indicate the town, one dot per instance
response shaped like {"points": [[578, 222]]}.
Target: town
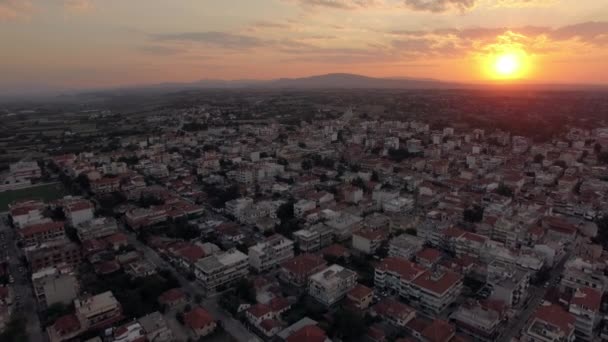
{"points": [[227, 218]]}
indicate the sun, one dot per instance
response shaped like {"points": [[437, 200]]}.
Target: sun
{"points": [[507, 65]]}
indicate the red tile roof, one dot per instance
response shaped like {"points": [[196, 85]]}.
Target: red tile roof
{"points": [[171, 296], [67, 324], [389, 307], [198, 318], [41, 228], [191, 253], [407, 269], [430, 254], [557, 316], [259, 310], [360, 291], [309, 333], [588, 298], [303, 264], [438, 283], [335, 250], [439, 331], [278, 304]]}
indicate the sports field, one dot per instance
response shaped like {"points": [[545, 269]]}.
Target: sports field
{"points": [[46, 192]]}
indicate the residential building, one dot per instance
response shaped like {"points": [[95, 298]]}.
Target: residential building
{"points": [[55, 285], [405, 246], [481, 320], [78, 210], [199, 321], [313, 238], [585, 307], [221, 269], [360, 297], [41, 232], [98, 311], [550, 323], [394, 312], [96, 228], [368, 240], [270, 253], [509, 282], [156, 328], [434, 290], [25, 213], [391, 271], [332, 284], [53, 253], [297, 270]]}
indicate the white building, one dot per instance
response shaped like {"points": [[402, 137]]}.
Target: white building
{"points": [[313, 238], [221, 269], [270, 253], [331, 285]]}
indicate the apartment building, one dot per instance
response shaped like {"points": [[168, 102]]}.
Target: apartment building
{"points": [[25, 213], [53, 253], [509, 282], [78, 210], [41, 232], [390, 273], [313, 238], [270, 253], [98, 311], [55, 285], [550, 323], [585, 307], [434, 290], [96, 228], [367, 241], [405, 246], [482, 320], [297, 270], [332, 284], [221, 269]]}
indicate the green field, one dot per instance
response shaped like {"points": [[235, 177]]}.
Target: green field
{"points": [[47, 192]]}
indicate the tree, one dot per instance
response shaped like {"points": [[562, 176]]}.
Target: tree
{"points": [[348, 325], [179, 316], [375, 177], [474, 214], [539, 158], [603, 158], [504, 190], [244, 290], [285, 211], [597, 148], [306, 164]]}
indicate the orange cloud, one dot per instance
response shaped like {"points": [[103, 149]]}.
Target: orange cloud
{"points": [[12, 10], [78, 6]]}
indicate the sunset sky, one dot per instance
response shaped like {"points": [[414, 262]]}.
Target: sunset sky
{"points": [[100, 43]]}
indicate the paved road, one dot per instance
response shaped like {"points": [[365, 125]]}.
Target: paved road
{"points": [[537, 295], [22, 287], [231, 325]]}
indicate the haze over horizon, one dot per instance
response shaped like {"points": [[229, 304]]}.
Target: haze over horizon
{"points": [[88, 44]]}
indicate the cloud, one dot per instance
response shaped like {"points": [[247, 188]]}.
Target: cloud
{"points": [[13, 10], [448, 42], [437, 6], [159, 50], [78, 6], [214, 38], [340, 4]]}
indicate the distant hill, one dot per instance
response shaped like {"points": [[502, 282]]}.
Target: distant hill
{"points": [[351, 81]]}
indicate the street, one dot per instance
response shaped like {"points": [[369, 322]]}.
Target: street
{"points": [[231, 325], [24, 302]]}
